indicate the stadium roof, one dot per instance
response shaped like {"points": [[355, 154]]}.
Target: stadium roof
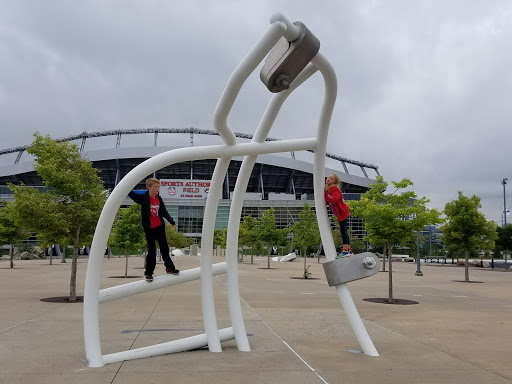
{"points": [[272, 173]]}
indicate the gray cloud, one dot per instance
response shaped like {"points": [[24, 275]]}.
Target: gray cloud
{"points": [[424, 87]]}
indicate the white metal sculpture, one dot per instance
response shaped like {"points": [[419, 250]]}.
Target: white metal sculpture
{"points": [[93, 295]]}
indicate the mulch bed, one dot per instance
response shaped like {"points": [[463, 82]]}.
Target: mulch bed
{"points": [[382, 300], [63, 299]]}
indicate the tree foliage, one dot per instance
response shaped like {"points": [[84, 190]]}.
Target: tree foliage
{"points": [[268, 232], [357, 245], [504, 240], [127, 231], [248, 233], [10, 233], [466, 228], [392, 218], [219, 238], [306, 233], [176, 239], [71, 203]]}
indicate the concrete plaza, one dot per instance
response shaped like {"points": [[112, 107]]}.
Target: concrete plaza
{"points": [[457, 333]]}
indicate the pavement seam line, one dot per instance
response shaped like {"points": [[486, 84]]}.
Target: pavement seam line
{"points": [[285, 343], [279, 337], [33, 317], [138, 334]]}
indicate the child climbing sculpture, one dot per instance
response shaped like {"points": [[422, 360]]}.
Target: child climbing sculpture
{"points": [[339, 208]]}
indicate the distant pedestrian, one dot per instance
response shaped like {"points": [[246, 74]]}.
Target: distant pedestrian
{"points": [[153, 212], [339, 208]]}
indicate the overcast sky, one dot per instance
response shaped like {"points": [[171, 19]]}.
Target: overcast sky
{"points": [[425, 86]]}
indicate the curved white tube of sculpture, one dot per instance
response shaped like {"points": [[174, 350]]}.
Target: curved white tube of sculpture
{"points": [[323, 221], [236, 208], [228, 97], [93, 296], [182, 345], [107, 216]]}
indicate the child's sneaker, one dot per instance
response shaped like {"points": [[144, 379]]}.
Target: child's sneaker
{"points": [[172, 271], [149, 278], [344, 254]]}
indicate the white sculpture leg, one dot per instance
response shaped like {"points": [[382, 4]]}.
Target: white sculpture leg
{"points": [[209, 317], [228, 97], [323, 221], [236, 209]]}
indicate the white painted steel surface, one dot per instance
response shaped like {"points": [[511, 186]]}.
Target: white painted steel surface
{"points": [[185, 344], [107, 216], [323, 221], [141, 286], [280, 26]]}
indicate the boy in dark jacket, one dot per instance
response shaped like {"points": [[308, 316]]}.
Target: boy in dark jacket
{"points": [[153, 211]]}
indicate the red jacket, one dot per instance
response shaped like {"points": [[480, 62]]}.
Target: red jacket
{"points": [[338, 206]]}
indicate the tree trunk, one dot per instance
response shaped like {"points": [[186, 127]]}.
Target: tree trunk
{"points": [[11, 255], [252, 252], [126, 264], [305, 266], [268, 258], [391, 300], [51, 255], [72, 282], [466, 268], [384, 253]]}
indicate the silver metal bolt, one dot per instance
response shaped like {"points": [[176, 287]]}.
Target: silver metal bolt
{"points": [[282, 81], [369, 262]]}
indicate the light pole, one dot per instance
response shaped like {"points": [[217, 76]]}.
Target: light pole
{"points": [[418, 264], [430, 238], [504, 182]]}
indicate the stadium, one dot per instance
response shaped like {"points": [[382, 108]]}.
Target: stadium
{"points": [[280, 181]]}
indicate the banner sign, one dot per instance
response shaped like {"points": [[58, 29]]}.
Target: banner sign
{"points": [[184, 189]]}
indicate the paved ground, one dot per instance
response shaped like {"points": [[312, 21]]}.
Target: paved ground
{"points": [[458, 333]]}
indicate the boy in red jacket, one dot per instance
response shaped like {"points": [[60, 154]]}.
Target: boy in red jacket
{"points": [[339, 208]]}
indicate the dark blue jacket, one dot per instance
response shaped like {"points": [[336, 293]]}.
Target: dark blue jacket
{"points": [[143, 200]]}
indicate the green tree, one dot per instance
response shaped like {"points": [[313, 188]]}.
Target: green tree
{"points": [[71, 203], [504, 240], [10, 233], [219, 238], [392, 218], [176, 239], [248, 233], [306, 233], [48, 240], [357, 244], [127, 232], [282, 241], [466, 228], [268, 232]]}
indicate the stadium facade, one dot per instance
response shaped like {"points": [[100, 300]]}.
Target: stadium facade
{"points": [[281, 181]]}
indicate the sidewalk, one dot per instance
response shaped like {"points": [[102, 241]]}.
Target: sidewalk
{"points": [[458, 333]]}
